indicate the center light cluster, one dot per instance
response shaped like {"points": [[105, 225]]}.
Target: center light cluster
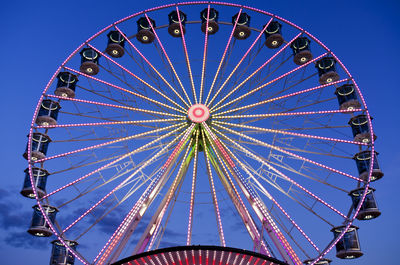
{"points": [[198, 113]]}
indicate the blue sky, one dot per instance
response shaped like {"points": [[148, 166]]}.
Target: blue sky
{"points": [[38, 35]]}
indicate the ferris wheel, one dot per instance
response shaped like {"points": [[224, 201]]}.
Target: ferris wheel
{"points": [[201, 133]]}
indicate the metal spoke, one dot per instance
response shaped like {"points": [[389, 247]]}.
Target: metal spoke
{"points": [[152, 67], [155, 185], [259, 129], [113, 162], [203, 68], [168, 59], [214, 194], [193, 190], [214, 108], [116, 106], [269, 83], [223, 57], [238, 64], [186, 55], [281, 97], [125, 90], [181, 125], [287, 152], [138, 78], [255, 157]]}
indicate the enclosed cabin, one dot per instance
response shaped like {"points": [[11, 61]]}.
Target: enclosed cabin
{"points": [[39, 177], [89, 61], [212, 16], [327, 70], [273, 35], [363, 161], [348, 247], [242, 29], [177, 22], [347, 97], [115, 45], [301, 50], [369, 208], [320, 262], [48, 113], [66, 85], [60, 255], [40, 143], [360, 128], [145, 33], [39, 227]]}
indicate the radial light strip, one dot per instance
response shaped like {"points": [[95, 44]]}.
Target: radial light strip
{"points": [[181, 125], [203, 68], [283, 246], [270, 82], [116, 106], [255, 157], [239, 63], [255, 72], [123, 89], [109, 123], [282, 97], [168, 59], [113, 162], [271, 198], [192, 192], [123, 183], [114, 239], [223, 57], [186, 55], [214, 194], [152, 67], [287, 152], [289, 133], [236, 199], [138, 78]]}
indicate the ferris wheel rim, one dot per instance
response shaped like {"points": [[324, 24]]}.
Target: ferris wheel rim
{"points": [[365, 109]]}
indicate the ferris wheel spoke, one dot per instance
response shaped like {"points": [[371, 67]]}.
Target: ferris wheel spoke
{"points": [[269, 196], [278, 187], [180, 126], [286, 152], [268, 165], [115, 161], [214, 194], [214, 108], [119, 186], [268, 115], [203, 68], [259, 129], [237, 66], [258, 206], [115, 106], [192, 192], [152, 67], [270, 100], [134, 187], [139, 122], [157, 217], [168, 59], [141, 205], [222, 172], [189, 68], [223, 57], [138, 78], [268, 83]]}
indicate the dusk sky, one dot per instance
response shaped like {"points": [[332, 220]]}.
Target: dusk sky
{"points": [[37, 36]]}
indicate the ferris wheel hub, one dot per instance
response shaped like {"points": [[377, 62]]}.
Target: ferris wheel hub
{"points": [[198, 113]]}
